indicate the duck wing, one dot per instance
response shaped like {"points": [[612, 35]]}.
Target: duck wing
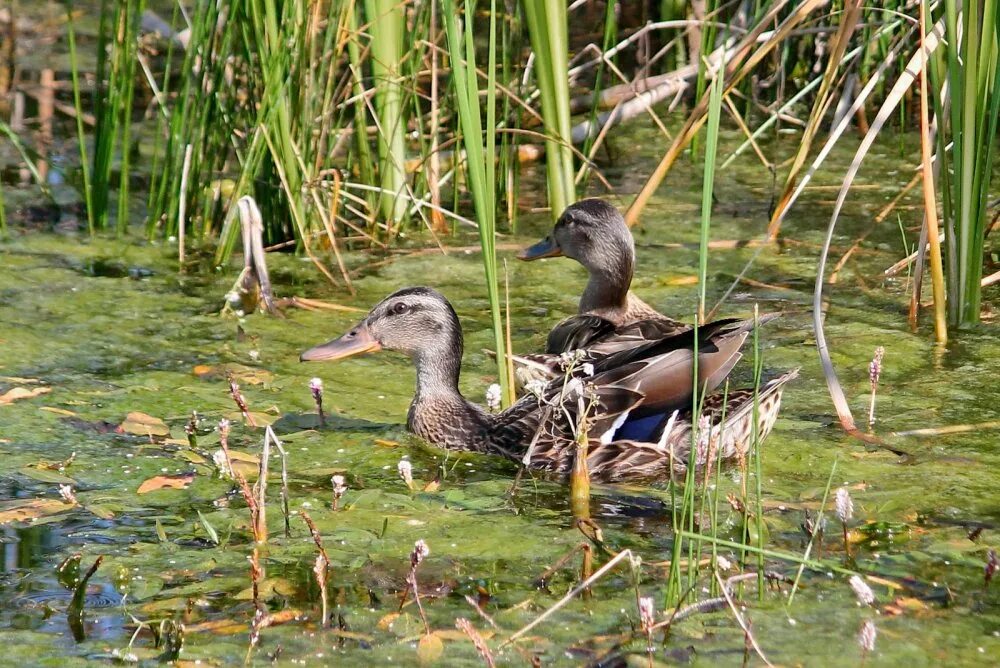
{"points": [[731, 416]]}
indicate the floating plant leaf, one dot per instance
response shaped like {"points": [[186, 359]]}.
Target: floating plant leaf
{"points": [[141, 424], [180, 481], [46, 475]]}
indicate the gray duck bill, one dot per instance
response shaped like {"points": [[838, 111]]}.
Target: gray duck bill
{"points": [[355, 342]]}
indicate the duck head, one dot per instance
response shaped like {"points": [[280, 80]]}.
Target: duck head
{"points": [[416, 321], [592, 232]]}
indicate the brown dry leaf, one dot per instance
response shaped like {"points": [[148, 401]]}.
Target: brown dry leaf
{"points": [[386, 443], [141, 424], [432, 486], [18, 393], [181, 481], [429, 649], [23, 510]]}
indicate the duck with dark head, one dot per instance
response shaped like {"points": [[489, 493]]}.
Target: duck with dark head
{"points": [[540, 429], [594, 233]]}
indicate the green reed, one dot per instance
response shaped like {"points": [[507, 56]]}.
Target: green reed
{"points": [[973, 76], [385, 18], [692, 508], [81, 138], [118, 44], [547, 28], [480, 162]]}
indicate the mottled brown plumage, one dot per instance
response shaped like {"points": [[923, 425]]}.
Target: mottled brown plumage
{"points": [[541, 429]]}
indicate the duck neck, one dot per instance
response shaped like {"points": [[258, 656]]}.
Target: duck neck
{"points": [[607, 289], [437, 375]]}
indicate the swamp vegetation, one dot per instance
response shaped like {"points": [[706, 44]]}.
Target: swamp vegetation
{"points": [[145, 412]]}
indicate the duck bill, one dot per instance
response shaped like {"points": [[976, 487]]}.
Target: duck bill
{"points": [[356, 342], [547, 247]]}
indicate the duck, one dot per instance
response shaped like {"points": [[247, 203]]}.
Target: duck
{"points": [[611, 319], [593, 232], [633, 410]]}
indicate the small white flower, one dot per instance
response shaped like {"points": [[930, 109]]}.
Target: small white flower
{"points": [[647, 612], [420, 552], [223, 426], [861, 589], [867, 635], [221, 465], [535, 387], [254, 355], [723, 563], [493, 397], [405, 469], [316, 385], [66, 492], [588, 369], [843, 504]]}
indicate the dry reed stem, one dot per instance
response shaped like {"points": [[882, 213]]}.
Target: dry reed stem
{"points": [[466, 627], [739, 620], [182, 207], [848, 22], [836, 391], [930, 203], [746, 56], [568, 597]]}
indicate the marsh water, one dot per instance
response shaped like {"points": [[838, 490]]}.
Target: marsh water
{"points": [[101, 328]]}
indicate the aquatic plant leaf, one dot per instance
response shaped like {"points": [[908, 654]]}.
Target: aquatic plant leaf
{"points": [[18, 393], [141, 424], [429, 649], [24, 510], [161, 534], [209, 529], [99, 510], [191, 456], [155, 483], [42, 474]]}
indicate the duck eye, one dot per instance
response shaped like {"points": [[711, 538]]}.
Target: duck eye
{"points": [[399, 308]]}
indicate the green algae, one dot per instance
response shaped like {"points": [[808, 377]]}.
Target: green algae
{"points": [[112, 328]]}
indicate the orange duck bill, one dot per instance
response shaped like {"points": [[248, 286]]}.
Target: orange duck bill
{"points": [[547, 247], [356, 342]]}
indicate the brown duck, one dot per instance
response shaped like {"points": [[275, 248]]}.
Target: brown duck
{"points": [[633, 408]]}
